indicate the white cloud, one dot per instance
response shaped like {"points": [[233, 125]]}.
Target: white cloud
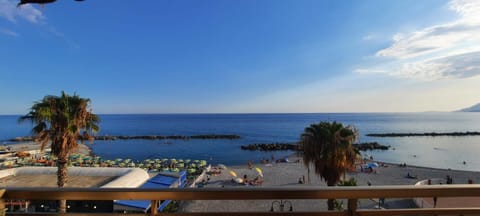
{"points": [[468, 9], [453, 66], [436, 38], [8, 32], [10, 11], [448, 50]]}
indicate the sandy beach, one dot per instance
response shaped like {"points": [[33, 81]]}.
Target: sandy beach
{"points": [[288, 174]]}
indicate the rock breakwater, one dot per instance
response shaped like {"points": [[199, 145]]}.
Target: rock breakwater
{"points": [[146, 137], [294, 146]]}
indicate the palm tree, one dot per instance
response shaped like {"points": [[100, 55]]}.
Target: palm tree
{"points": [[328, 147], [62, 121]]}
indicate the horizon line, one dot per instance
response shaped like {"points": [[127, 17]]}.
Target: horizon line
{"points": [[263, 113]]}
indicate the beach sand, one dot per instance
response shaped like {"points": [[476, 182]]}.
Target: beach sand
{"points": [[288, 174]]}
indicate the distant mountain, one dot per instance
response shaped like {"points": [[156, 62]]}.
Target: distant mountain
{"points": [[474, 108]]}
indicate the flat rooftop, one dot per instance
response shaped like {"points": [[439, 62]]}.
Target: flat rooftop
{"points": [[78, 177], [51, 181]]}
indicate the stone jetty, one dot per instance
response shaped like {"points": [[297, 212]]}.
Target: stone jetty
{"points": [[270, 146], [368, 146], [294, 146]]}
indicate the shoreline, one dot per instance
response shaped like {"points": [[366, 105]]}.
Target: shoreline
{"points": [[85, 149]]}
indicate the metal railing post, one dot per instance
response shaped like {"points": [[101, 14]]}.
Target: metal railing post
{"points": [[154, 207], [2, 203], [352, 207]]}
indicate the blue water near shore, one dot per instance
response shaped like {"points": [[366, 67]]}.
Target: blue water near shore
{"points": [[439, 152]]}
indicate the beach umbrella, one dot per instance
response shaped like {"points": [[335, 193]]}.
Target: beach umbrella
{"points": [[259, 171], [372, 165], [222, 166]]}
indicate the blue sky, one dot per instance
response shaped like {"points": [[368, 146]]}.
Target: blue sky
{"points": [[221, 56]]}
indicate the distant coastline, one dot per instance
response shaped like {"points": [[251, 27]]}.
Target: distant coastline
{"points": [[474, 108], [468, 133]]}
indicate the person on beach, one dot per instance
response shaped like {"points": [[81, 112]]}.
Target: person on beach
{"points": [[256, 181], [250, 164]]}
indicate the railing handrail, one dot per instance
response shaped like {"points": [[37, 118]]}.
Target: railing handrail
{"points": [[250, 193], [353, 194]]}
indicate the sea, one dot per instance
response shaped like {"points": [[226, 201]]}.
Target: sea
{"points": [[445, 152]]}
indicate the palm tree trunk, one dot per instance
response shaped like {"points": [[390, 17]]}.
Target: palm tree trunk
{"points": [[61, 181], [331, 204]]}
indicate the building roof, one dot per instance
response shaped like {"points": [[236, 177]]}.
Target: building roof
{"points": [[51, 181], [77, 177], [157, 182]]}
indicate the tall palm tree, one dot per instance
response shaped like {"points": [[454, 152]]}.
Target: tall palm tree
{"points": [[62, 121], [328, 147]]}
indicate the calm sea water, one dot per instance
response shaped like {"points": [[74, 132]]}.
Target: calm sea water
{"points": [[439, 152]]}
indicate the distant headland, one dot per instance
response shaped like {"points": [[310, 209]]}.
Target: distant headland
{"points": [[474, 108]]}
